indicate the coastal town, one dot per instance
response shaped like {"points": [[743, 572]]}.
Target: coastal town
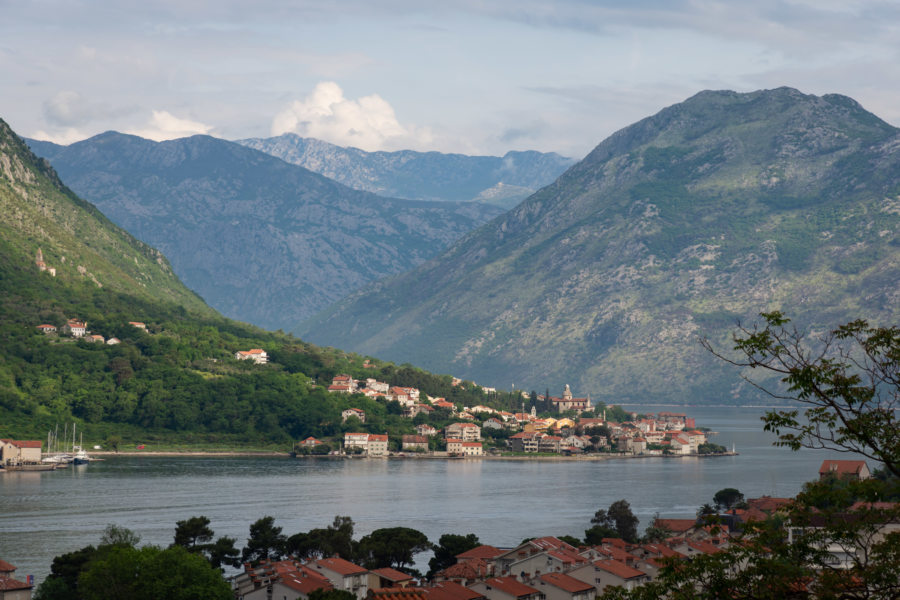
{"points": [[565, 425], [480, 430]]}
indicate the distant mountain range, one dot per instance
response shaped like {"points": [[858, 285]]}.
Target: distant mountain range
{"points": [[502, 180], [673, 228], [259, 239]]}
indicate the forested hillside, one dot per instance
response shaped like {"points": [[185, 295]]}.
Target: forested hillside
{"points": [[178, 381]]}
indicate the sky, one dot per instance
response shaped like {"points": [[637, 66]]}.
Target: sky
{"points": [[468, 76]]}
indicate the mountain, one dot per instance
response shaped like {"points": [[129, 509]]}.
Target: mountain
{"points": [[78, 245], [174, 381], [421, 175], [261, 240], [676, 227]]}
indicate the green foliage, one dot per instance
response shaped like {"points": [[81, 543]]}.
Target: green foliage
{"points": [[448, 546], [617, 522], [728, 498], [265, 542], [848, 380], [392, 547], [115, 535], [151, 573]]}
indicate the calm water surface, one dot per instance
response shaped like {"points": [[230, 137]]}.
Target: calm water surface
{"points": [[45, 514]]}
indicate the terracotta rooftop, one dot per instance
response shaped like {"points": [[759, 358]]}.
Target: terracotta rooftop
{"points": [[676, 525], [399, 593], [339, 566], [567, 583], [450, 590], [509, 585], [5, 567], [842, 467], [8, 585], [392, 574], [482, 551], [618, 569]]}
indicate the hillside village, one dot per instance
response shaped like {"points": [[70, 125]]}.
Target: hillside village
{"points": [[565, 426], [480, 429]]}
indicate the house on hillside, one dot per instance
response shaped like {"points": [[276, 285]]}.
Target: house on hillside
{"points": [[414, 443], [467, 432], [257, 355], [844, 469], [75, 328], [343, 575], [138, 325], [45, 328], [353, 412]]}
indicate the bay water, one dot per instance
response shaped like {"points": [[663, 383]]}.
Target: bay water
{"points": [[502, 501]]}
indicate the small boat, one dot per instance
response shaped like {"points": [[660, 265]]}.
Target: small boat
{"points": [[29, 466]]}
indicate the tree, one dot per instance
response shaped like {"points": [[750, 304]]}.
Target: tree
{"points": [[265, 541], [114, 535], [728, 498], [150, 573], [849, 379], [223, 552], [618, 522], [192, 534], [448, 546], [114, 441], [392, 547]]}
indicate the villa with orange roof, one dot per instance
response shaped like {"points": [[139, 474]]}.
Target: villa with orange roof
{"points": [[257, 355]]}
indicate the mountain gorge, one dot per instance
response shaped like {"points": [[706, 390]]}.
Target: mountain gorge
{"points": [[674, 228], [259, 239], [501, 180]]}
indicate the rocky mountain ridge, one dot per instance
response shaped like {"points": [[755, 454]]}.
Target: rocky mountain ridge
{"points": [[502, 180], [673, 228], [261, 240]]}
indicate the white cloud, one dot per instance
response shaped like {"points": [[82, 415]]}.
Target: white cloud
{"points": [[166, 126], [368, 123], [64, 137]]}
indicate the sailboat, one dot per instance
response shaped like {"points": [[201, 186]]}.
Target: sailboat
{"points": [[80, 456]]}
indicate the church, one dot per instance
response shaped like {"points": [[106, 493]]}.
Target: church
{"points": [[567, 402]]}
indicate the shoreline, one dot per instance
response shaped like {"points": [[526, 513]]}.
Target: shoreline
{"points": [[281, 454]]}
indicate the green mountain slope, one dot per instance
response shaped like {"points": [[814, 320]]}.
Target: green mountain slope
{"points": [[261, 240], [177, 382], [77, 241], [710, 211]]}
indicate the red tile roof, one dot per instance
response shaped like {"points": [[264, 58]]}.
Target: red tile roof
{"points": [[509, 585], [842, 467], [5, 567], [676, 525], [619, 569], [399, 593], [483, 551], [304, 582], [450, 590], [472, 569], [8, 585], [392, 574], [567, 583], [25, 443], [339, 566]]}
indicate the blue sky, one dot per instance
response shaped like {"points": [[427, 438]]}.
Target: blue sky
{"points": [[478, 77]]}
